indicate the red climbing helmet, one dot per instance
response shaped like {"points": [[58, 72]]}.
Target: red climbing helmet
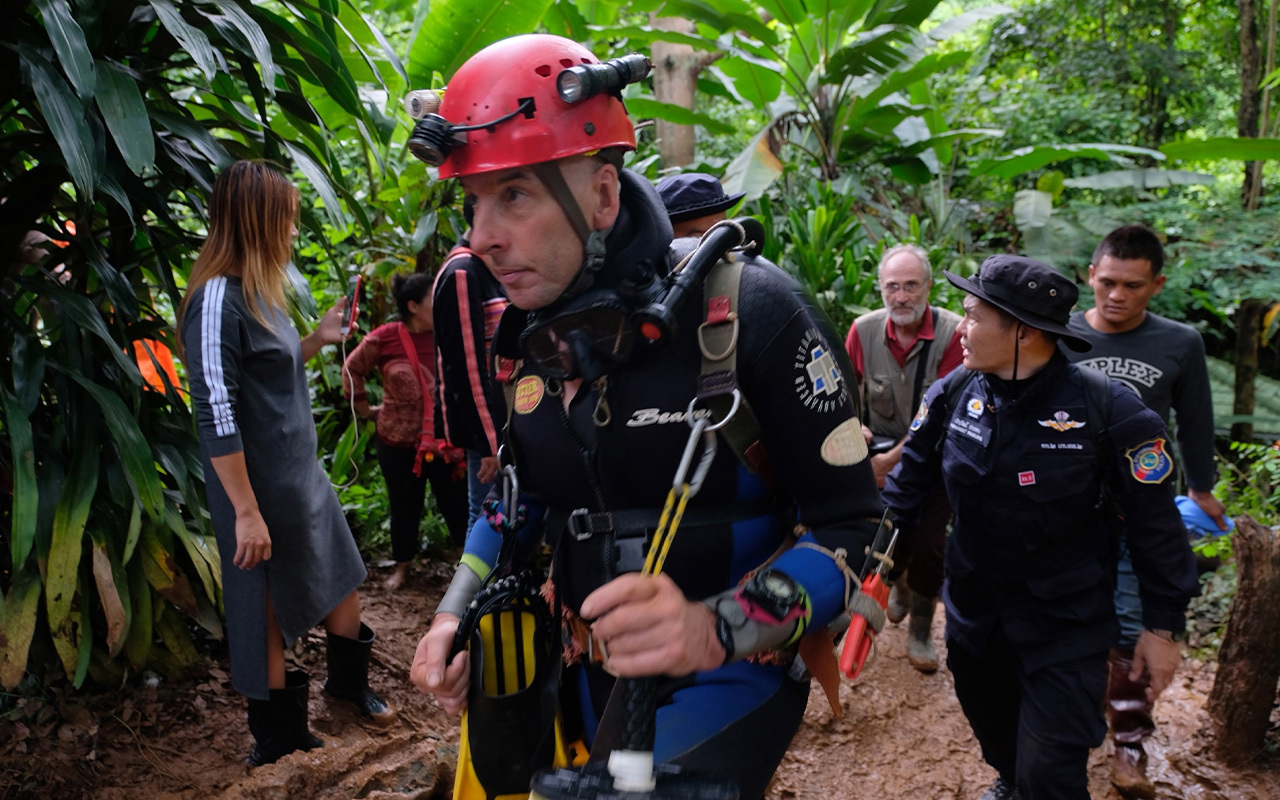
{"points": [[493, 84]]}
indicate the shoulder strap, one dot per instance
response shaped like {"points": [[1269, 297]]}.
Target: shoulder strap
{"points": [[718, 382], [922, 359], [1097, 400], [1097, 413], [963, 376], [957, 385]]}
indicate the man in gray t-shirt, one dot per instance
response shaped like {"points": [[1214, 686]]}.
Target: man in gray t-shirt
{"points": [[1164, 362]]}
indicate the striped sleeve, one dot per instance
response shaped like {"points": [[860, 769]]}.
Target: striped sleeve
{"points": [[212, 339]]}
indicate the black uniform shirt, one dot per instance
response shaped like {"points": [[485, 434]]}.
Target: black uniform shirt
{"points": [[1030, 548]]}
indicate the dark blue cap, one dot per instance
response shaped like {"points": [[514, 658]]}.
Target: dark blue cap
{"points": [[694, 194], [1033, 293]]}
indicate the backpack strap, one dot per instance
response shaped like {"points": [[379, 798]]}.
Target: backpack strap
{"points": [[957, 381], [1097, 400], [718, 382]]}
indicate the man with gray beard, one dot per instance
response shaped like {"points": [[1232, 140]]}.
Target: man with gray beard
{"points": [[899, 351]]}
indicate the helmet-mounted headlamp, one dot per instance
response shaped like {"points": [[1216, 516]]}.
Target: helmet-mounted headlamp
{"points": [[434, 137], [576, 84]]}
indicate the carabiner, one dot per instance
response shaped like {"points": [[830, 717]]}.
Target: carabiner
{"points": [[699, 425], [510, 491]]}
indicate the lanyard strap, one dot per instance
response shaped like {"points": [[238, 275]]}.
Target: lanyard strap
{"points": [[922, 357]]}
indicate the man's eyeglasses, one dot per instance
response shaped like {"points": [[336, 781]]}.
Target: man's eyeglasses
{"points": [[910, 287]]}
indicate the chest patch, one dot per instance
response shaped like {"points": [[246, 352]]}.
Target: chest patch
{"points": [[974, 407], [817, 378], [845, 445], [1149, 462], [1061, 421], [1027, 478], [971, 430], [529, 392]]}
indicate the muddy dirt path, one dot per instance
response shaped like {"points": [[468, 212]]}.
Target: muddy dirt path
{"points": [[902, 734]]}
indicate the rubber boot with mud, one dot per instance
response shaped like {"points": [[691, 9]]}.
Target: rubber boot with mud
{"points": [[920, 651], [349, 676], [899, 599], [1129, 713], [279, 724]]}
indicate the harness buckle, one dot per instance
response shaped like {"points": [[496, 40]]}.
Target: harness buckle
{"points": [[579, 524]]}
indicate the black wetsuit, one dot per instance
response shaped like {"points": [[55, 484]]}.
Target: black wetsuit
{"points": [[735, 721]]}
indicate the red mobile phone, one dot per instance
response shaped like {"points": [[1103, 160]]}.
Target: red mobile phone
{"points": [[353, 304]]}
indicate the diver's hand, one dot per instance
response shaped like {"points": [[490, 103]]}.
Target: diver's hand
{"points": [[648, 627], [429, 672]]}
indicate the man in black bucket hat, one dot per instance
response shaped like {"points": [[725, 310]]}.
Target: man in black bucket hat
{"points": [[1037, 456], [695, 201]]}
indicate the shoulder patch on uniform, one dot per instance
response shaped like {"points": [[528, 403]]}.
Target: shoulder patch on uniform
{"points": [[1149, 462], [921, 415], [845, 445], [1061, 421], [529, 393], [818, 381]]}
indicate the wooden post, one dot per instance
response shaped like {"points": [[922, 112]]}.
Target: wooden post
{"points": [[1244, 691]]}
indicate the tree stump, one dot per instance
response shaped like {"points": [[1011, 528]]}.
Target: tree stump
{"points": [[1244, 691]]}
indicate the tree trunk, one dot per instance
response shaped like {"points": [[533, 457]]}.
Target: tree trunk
{"points": [[1250, 94], [1248, 336], [675, 80], [1158, 114], [1244, 690], [1264, 124]]}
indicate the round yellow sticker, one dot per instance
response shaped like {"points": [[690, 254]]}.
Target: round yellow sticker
{"points": [[529, 393]]}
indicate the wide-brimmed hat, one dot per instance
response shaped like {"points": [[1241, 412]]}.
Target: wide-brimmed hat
{"points": [[1034, 293], [694, 194]]}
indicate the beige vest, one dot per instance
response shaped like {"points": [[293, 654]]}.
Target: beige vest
{"points": [[886, 387]]}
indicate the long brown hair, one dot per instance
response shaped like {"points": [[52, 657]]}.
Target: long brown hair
{"points": [[251, 217]]}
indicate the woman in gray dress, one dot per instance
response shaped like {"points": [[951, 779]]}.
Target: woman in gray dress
{"points": [[275, 514]]}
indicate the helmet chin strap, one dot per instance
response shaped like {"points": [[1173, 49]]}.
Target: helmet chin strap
{"points": [[592, 241]]}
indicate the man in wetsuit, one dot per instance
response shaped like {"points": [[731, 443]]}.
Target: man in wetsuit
{"points": [[1036, 455], [599, 421]]}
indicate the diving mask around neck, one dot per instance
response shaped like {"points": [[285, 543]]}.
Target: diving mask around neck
{"points": [[584, 338]]}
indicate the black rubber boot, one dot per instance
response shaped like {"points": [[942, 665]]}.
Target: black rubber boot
{"points": [[349, 676], [279, 725]]}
